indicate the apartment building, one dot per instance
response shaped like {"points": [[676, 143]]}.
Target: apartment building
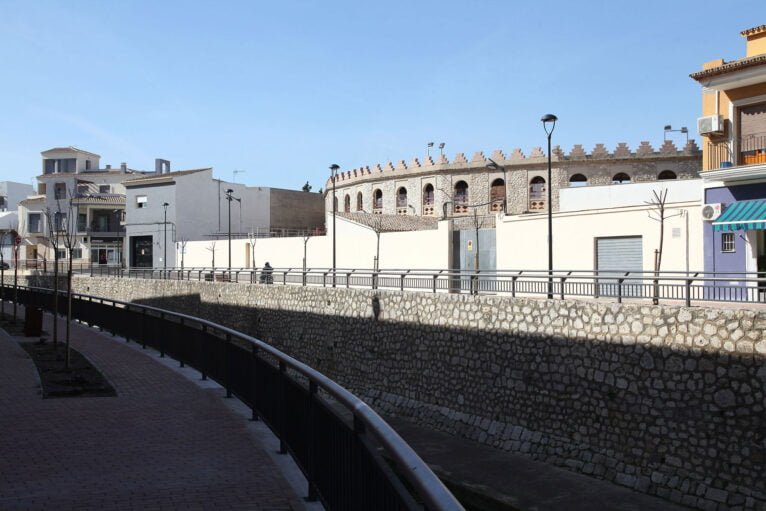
{"points": [[76, 193], [733, 123], [166, 209]]}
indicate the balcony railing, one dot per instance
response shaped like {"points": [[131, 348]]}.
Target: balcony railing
{"points": [[109, 231], [750, 150]]}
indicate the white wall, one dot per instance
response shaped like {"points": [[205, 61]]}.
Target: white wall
{"points": [[522, 240], [632, 194], [356, 246]]}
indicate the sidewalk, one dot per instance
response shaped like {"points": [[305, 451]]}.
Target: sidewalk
{"points": [[162, 443]]}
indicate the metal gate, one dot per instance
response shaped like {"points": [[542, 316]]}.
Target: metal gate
{"points": [[618, 258], [464, 249]]}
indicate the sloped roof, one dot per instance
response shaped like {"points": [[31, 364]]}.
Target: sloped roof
{"points": [[753, 31], [70, 149], [734, 65], [392, 223]]}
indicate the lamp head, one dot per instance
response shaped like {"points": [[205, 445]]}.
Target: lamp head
{"points": [[668, 127], [229, 191], [165, 204], [334, 168], [684, 130], [549, 118], [430, 144], [441, 145]]}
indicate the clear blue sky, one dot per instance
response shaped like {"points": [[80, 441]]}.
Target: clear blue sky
{"points": [[283, 89]]}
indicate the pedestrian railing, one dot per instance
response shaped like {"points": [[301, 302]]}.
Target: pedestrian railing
{"points": [[677, 286], [347, 460]]}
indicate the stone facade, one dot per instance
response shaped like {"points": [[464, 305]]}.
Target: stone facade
{"points": [[599, 167], [666, 400]]}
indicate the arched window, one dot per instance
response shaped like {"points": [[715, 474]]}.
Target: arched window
{"points": [[620, 178], [428, 199], [347, 204], [377, 201], [537, 196], [578, 180], [666, 174], [461, 197], [359, 203], [401, 201], [497, 195]]}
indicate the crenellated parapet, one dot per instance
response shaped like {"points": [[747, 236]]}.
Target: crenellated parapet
{"points": [[517, 159]]}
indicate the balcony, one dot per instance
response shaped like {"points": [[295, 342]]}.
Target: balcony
{"points": [[750, 150], [112, 231]]}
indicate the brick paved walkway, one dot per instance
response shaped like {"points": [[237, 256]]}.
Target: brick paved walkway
{"points": [[162, 443]]}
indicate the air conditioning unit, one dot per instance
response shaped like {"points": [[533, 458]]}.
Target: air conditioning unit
{"points": [[711, 211], [710, 125]]}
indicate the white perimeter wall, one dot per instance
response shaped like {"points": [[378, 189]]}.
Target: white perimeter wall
{"points": [[632, 194], [355, 248], [522, 240]]}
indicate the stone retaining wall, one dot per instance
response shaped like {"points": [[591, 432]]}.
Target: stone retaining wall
{"points": [[663, 399]]}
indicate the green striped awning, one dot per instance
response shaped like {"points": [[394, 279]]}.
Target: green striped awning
{"points": [[747, 215]]}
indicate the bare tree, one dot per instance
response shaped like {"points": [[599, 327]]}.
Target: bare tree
{"points": [[251, 237], [53, 221], [7, 239], [657, 212], [68, 232], [211, 248], [183, 243]]}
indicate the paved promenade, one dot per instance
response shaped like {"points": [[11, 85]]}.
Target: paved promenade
{"points": [[162, 443]]}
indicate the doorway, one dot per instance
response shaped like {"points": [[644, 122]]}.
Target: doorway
{"points": [[141, 255]]}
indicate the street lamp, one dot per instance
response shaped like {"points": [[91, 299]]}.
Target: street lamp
{"points": [[492, 165], [333, 173], [229, 198], [550, 118], [165, 241], [669, 128]]}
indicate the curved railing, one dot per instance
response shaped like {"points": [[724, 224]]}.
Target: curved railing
{"points": [[333, 436]]}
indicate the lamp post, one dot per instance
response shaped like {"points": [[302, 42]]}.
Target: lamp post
{"points": [[669, 128], [333, 173], [550, 118], [229, 198], [165, 240], [492, 165]]}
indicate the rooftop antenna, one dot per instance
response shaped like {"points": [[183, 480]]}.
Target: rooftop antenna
{"points": [[234, 175]]}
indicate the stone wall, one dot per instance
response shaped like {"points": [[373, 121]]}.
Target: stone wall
{"points": [[666, 400]]}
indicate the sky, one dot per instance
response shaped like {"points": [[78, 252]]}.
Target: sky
{"points": [[281, 90]]}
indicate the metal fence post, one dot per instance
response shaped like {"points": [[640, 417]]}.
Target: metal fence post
{"points": [[227, 365], [254, 382], [203, 349], [311, 465], [688, 292], [161, 324], [282, 407], [183, 351], [619, 290]]}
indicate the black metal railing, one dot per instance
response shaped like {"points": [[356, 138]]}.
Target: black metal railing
{"points": [[346, 459], [665, 286]]}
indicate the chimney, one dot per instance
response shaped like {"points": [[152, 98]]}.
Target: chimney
{"points": [[123, 167], [161, 166]]}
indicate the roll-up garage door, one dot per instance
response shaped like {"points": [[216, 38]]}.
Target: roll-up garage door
{"points": [[616, 257]]}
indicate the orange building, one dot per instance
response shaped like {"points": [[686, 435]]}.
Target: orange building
{"points": [[734, 159]]}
